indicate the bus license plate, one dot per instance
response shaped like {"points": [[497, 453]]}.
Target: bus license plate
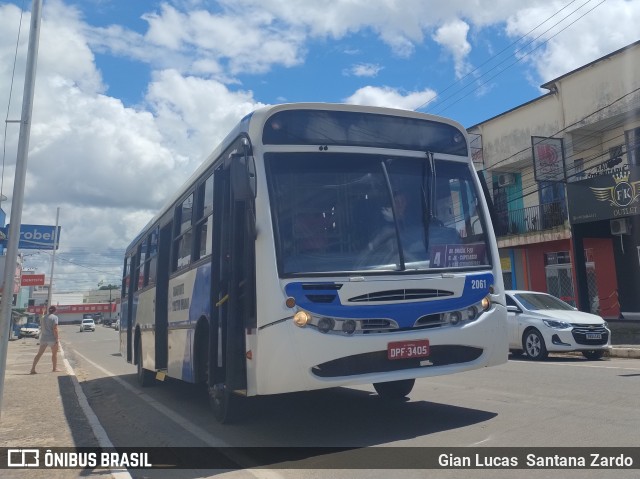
{"points": [[594, 336], [408, 349]]}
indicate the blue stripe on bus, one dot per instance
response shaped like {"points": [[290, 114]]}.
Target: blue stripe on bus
{"points": [[201, 298], [200, 306], [405, 314]]}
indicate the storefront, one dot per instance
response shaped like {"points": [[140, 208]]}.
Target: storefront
{"points": [[604, 213]]}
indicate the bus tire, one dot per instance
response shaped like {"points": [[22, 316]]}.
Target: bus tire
{"points": [[224, 403], [145, 377], [202, 354], [394, 390]]}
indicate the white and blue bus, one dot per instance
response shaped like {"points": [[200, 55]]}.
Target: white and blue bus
{"points": [[319, 245]]}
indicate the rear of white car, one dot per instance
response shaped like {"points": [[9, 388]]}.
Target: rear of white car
{"points": [[540, 323]]}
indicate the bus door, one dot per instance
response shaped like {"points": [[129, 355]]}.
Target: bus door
{"points": [[126, 311], [162, 298], [233, 278]]}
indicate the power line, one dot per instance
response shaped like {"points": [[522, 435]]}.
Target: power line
{"points": [[6, 120], [535, 187], [569, 126], [518, 60], [500, 53]]}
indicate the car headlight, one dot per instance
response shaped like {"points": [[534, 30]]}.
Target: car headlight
{"points": [[605, 324], [552, 323]]}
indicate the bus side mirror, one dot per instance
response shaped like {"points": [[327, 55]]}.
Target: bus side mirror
{"points": [[243, 176]]}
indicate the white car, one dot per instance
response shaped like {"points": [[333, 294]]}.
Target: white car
{"points": [[539, 323], [87, 325], [29, 330]]}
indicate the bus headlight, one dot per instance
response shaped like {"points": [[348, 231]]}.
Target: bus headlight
{"points": [[301, 318], [455, 317], [485, 304], [326, 324], [468, 314], [349, 326], [472, 313]]}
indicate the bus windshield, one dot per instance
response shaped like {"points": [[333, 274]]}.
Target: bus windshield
{"points": [[337, 212]]}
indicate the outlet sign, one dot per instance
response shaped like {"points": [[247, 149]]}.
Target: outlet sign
{"points": [[34, 236]]}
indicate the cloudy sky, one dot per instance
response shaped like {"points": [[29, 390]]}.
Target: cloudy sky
{"points": [[132, 95]]}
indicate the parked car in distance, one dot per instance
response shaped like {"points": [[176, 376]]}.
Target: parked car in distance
{"points": [[29, 330], [107, 322], [116, 325], [87, 325], [539, 323]]}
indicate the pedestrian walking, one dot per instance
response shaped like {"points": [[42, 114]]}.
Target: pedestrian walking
{"points": [[48, 338]]}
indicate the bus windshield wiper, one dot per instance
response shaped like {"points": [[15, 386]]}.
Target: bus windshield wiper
{"points": [[395, 215], [428, 192]]}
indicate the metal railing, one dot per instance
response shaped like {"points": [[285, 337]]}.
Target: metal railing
{"points": [[531, 219]]}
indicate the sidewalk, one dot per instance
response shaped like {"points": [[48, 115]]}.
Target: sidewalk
{"points": [[625, 351], [42, 410]]}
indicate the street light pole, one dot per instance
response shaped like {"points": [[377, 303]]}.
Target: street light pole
{"points": [[18, 188]]}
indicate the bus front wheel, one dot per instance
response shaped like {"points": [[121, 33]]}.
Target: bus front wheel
{"points": [[394, 390]]}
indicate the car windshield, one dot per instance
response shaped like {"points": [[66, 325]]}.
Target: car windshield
{"points": [[88, 321], [31, 325], [336, 212], [535, 302]]}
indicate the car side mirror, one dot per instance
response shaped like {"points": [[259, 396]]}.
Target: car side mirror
{"points": [[513, 309]]}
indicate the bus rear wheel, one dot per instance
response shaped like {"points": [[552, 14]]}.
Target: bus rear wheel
{"points": [[145, 377], [224, 403], [394, 390]]}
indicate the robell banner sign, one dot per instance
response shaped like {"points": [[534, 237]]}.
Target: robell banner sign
{"points": [[33, 236]]}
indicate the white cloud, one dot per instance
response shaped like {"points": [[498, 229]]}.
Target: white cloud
{"points": [[195, 114], [363, 70], [200, 41], [453, 37], [108, 167], [390, 97], [608, 27]]}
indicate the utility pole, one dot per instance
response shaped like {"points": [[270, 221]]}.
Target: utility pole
{"points": [[53, 259], [18, 189]]}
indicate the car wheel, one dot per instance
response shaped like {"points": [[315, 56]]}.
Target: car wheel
{"points": [[593, 354], [394, 390], [533, 344]]}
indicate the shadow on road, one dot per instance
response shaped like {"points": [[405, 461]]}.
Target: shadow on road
{"points": [[332, 428]]}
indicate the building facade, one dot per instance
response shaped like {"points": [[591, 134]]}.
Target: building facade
{"points": [[564, 174]]}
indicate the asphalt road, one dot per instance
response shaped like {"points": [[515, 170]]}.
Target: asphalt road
{"points": [[566, 401]]}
